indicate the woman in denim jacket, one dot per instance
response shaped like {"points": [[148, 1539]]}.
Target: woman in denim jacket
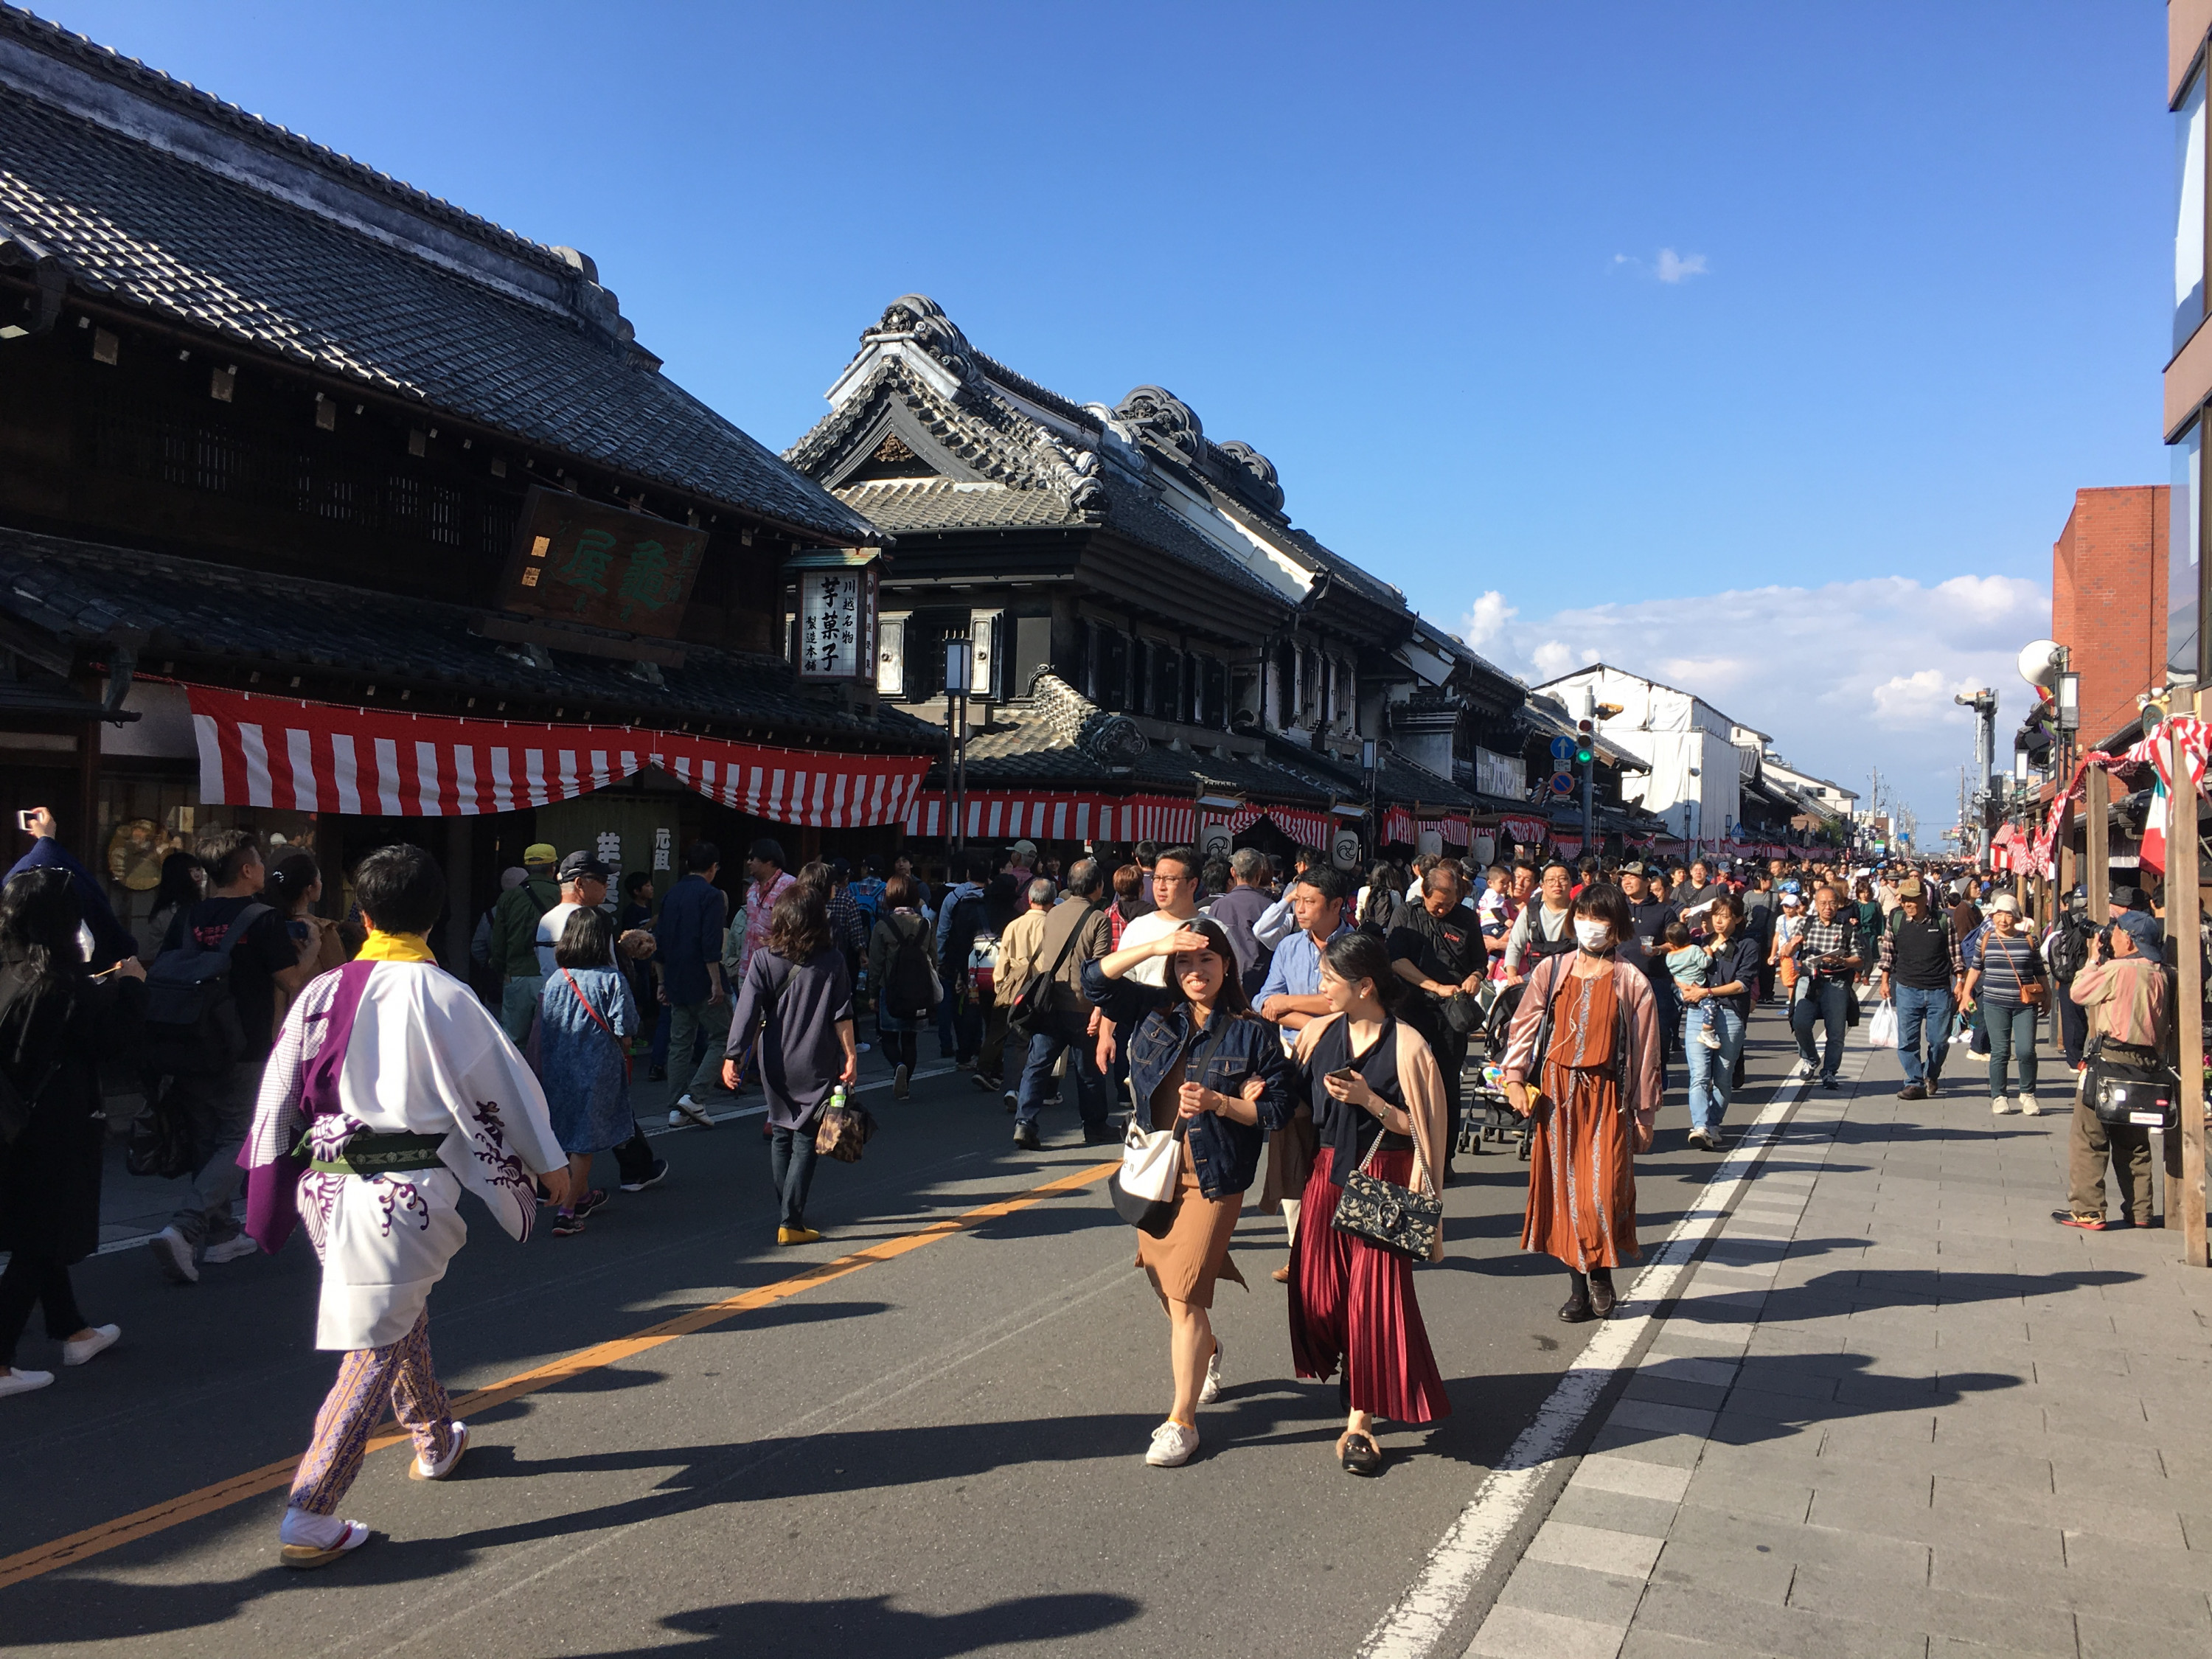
{"points": [[1240, 1091]]}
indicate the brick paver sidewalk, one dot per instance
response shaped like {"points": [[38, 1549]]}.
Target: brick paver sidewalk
{"points": [[1897, 1411]]}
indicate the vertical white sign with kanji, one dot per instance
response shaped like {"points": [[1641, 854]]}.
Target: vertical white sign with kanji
{"points": [[836, 624]]}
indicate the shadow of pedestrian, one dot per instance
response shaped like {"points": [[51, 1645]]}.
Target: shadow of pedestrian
{"points": [[836, 1630]]}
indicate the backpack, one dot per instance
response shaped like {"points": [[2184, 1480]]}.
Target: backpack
{"points": [[1033, 1000], [192, 1018], [983, 961], [2069, 948], [911, 991]]}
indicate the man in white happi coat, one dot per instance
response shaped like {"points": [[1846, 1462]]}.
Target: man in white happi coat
{"points": [[390, 1092]]}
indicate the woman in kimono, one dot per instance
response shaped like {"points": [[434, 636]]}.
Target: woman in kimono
{"points": [[1595, 1094], [392, 1091]]}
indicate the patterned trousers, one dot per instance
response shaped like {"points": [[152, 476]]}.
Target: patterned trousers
{"points": [[401, 1374]]}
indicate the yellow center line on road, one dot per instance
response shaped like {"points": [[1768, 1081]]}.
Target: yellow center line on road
{"points": [[125, 1530]]}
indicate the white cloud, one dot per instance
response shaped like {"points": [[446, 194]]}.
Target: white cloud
{"points": [[1846, 676], [1487, 619], [1675, 267]]}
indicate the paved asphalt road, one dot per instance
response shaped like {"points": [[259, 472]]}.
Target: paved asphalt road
{"points": [[938, 1454]]}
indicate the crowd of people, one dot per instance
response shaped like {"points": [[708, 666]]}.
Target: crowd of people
{"points": [[1286, 1037]]}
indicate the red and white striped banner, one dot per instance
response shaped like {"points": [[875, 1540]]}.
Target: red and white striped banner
{"points": [[1017, 815], [1455, 831], [1398, 826], [1301, 823], [259, 750], [1527, 831], [1566, 847]]}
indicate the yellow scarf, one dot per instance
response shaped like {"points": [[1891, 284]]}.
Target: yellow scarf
{"points": [[395, 947]]}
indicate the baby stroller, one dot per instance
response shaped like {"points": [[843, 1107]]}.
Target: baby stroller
{"points": [[1488, 1116]]}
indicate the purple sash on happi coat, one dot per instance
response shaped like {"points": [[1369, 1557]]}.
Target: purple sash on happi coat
{"points": [[272, 1189]]}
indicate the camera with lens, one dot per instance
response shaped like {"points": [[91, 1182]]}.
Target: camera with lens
{"points": [[2104, 939]]}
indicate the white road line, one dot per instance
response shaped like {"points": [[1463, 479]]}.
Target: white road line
{"points": [[1412, 1628]]}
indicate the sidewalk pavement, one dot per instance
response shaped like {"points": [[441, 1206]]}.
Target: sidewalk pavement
{"points": [[1897, 1411]]}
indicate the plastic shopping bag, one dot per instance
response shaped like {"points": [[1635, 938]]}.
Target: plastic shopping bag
{"points": [[1882, 1031]]}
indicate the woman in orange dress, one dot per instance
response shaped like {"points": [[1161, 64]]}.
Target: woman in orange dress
{"points": [[1597, 1096]]}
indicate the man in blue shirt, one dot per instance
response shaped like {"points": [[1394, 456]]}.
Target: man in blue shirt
{"points": [[1290, 998], [688, 966]]}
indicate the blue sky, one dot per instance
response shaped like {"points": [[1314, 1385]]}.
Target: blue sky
{"points": [[1603, 311]]}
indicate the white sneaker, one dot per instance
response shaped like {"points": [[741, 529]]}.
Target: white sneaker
{"points": [[173, 1256], [1173, 1443], [688, 1110], [22, 1382], [1211, 1390], [79, 1350], [1710, 1037], [2028, 1108], [231, 1249], [419, 1470], [2000, 1105]]}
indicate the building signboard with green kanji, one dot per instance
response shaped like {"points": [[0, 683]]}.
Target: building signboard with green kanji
{"points": [[581, 561]]}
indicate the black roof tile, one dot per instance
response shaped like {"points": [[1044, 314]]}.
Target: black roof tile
{"points": [[548, 359]]}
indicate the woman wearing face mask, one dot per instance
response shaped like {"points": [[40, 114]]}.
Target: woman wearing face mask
{"points": [[1199, 1056], [1596, 1095], [1376, 1091]]}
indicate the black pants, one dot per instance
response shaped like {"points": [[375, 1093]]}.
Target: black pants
{"points": [[1451, 1057], [2073, 1023], [33, 1276], [900, 1047], [633, 1158]]}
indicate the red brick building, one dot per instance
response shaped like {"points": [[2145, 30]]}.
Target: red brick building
{"points": [[2108, 599]]}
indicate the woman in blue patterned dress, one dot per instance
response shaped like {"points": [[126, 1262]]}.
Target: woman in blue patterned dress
{"points": [[588, 1017]]}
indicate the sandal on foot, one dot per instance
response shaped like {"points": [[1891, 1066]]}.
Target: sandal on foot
{"points": [[1358, 1454], [458, 1444]]}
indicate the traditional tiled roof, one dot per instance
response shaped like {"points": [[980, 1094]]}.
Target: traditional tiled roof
{"points": [[214, 616], [150, 193], [1057, 737]]}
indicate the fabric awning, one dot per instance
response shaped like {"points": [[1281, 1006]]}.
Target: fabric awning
{"points": [[1397, 826], [1527, 831], [1015, 815], [262, 751]]}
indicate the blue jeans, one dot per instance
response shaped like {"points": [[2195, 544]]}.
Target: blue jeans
{"points": [[1827, 1001], [791, 1157], [2011, 1026], [1712, 1071], [1063, 1029], [1919, 1012]]}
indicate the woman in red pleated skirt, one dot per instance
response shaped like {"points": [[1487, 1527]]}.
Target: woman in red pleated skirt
{"points": [[1378, 1101]]}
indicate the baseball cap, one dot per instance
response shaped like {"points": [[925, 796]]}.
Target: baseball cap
{"points": [[539, 852], [1633, 867], [2130, 898], [2144, 927], [1792, 895], [1911, 888], [583, 864], [1026, 848]]}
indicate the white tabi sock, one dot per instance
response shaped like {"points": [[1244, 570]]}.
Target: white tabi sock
{"points": [[320, 1532]]}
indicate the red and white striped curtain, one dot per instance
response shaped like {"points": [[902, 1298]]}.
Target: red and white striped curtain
{"points": [[1567, 847], [1398, 826], [1301, 823], [1015, 814], [1527, 831], [323, 757], [1455, 831]]}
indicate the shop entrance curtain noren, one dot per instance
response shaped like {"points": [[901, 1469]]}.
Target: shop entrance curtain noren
{"points": [[260, 750]]}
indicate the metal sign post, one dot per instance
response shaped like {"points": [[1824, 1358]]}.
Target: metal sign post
{"points": [[959, 669]]}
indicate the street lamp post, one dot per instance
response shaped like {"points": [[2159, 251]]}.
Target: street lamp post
{"points": [[959, 679]]}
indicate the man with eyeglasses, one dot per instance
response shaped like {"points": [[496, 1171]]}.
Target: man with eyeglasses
{"points": [[1175, 891]]}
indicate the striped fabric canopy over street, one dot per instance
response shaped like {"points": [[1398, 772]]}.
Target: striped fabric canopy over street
{"points": [[995, 814], [325, 758]]}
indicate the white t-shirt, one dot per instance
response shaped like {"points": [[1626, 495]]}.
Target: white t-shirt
{"points": [[1153, 924], [549, 934]]}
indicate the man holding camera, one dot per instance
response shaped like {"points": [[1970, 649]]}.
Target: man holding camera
{"points": [[2124, 991]]}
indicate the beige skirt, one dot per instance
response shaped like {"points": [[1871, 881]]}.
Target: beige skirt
{"points": [[1184, 1262]]}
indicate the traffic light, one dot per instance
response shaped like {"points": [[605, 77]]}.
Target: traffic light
{"points": [[1582, 751]]}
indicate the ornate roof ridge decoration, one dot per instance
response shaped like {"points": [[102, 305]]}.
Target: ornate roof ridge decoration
{"points": [[84, 53], [978, 428], [1111, 739]]}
